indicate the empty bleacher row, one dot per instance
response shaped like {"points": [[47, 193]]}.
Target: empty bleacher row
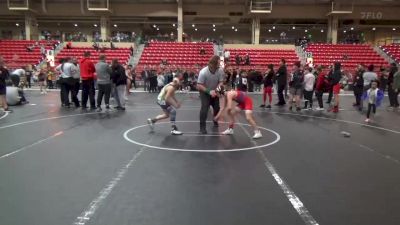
{"points": [[16, 55], [182, 55], [260, 58], [349, 55], [122, 54], [393, 51]]}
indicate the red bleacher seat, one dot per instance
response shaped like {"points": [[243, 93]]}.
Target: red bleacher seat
{"points": [[122, 54], [15, 54], [260, 58], [393, 51], [182, 55], [348, 54]]}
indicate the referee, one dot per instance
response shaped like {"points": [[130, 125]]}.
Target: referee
{"points": [[209, 78]]}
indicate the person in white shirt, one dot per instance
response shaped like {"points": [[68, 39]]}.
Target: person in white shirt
{"points": [[160, 81], [69, 72], [368, 77], [16, 76], [309, 81], [227, 56]]}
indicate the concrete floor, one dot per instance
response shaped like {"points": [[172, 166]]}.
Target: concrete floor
{"points": [[63, 166]]}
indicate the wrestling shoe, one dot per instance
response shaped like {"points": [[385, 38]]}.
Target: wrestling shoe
{"points": [[228, 131]]}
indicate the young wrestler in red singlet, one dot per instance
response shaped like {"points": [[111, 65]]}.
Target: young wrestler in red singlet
{"points": [[245, 103]]}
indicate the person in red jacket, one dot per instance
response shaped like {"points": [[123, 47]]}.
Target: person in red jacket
{"points": [[87, 70], [321, 86]]}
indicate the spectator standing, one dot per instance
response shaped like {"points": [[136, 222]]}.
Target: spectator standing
{"points": [[76, 75], [160, 81], [129, 79], [234, 79], [118, 76], [395, 85], [145, 77], [321, 87], [68, 85], [41, 75], [334, 77], [238, 59], [103, 72], [358, 86], [394, 103], [4, 75], [268, 86], [87, 70], [247, 59], [309, 81], [28, 76], [242, 82], [281, 78], [49, 78], [296, 86], [202, 51], [153, 81], [227, 56]]}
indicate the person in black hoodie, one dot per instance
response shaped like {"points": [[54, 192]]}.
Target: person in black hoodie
{"points": [[296, 86], [242, 85], [334, 77], [234, 78], [358, 85], [268, 86], [119, 78], [281, 78], [4, 75], [391, 92]]}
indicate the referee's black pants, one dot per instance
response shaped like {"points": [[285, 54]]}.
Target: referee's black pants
{"points": [[206, 102]]}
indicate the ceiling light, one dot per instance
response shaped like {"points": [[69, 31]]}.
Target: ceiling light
{"points": [[344, 31], [75, 25], [158, 28], [173, 25], [154, 25], [322, 31], [236, 30], [95, 25], [195, 29], [213, 25], [115, 25], [193, 25], [17, 24], [293, 28], [306, 31], [373, 28], [269, 30], [352, 28], [273, 27], [214, 29], [394, 29], [233, 27]]}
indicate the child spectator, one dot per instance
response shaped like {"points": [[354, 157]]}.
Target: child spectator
{"points": [[374, 96], [309, 81]]}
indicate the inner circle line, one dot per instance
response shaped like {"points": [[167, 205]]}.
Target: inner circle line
{"points": [[278, 137]]}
